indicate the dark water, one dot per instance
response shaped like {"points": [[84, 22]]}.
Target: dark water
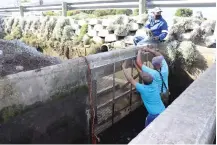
{"points": [[126, 129]]}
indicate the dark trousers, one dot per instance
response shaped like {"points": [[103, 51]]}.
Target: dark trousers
{"points": [[149, 119]]}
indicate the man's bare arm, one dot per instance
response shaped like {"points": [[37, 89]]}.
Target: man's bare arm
{"points": [[137, 67], [155, 53], [139, 59], [128, 77]]}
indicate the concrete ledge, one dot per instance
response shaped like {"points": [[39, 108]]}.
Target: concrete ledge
{"points": [[190, 119]]}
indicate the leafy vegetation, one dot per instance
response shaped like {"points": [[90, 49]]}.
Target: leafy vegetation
{"points": [[51, 13], [184, 12]]}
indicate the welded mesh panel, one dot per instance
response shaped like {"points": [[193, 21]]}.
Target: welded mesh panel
{"points": [[126, 94], [114, 96], [104, 94]]}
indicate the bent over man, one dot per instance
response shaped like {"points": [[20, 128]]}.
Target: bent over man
{"points": [[149, 94], [160, 73]]}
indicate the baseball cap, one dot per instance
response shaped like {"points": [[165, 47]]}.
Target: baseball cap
{"points": [[157, 60], [156, 10]]}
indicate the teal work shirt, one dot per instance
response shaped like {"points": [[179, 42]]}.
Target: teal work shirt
{"points": [[151, 98], [155, 74]]}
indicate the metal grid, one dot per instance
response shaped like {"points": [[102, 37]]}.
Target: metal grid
{"points": [[114, 96]]}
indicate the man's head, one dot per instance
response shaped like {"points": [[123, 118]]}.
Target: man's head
{"points": [[157, 13], [147, 78], [157, 62]]}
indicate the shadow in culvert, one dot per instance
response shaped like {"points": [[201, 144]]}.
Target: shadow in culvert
{"points": [[130, 126]]}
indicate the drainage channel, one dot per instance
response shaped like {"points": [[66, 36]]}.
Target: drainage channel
{"points": [[130, 126]]}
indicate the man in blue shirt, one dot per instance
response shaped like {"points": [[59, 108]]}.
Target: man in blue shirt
{"points": [[149, 93], [160, 73], [156, 26]]}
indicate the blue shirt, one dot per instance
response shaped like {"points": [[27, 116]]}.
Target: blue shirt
{"points": [[151, 98], [158, 27], [155, 74]]}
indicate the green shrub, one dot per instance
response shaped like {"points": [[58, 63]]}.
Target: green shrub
{"points": [[87, 11], [136, 12], [51, 13], [16, 33], [83, 31], [73, 12], [8, 37], [78, 39], [100, 13], [124, 11], [184, 12]]}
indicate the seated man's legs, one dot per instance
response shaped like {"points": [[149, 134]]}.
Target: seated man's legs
{"points": [[137, 39], [149, 119]]}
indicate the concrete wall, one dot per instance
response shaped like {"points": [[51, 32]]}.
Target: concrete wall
{"points": [[40, 85], [190, 119], [45, 105]]}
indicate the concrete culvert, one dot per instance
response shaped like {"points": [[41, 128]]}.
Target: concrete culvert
{"points": [[104, 48]]}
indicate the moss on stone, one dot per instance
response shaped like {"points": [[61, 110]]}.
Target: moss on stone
{"points": [[68, 90], [9, 112]]}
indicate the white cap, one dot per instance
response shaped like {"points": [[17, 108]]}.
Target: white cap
{"points": [[156, 10]]}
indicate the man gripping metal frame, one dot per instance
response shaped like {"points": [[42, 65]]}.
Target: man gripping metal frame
{"points": [[149, 93], [160, 73]]}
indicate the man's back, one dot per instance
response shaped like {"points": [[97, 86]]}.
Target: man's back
{"points": [[151, 97], [156, 75]]}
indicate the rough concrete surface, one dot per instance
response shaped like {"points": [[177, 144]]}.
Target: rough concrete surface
{"points": [[28, 87], [62, 120], [190, 119]]}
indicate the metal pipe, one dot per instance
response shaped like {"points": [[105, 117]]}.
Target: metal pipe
{"points": [[105, 47], [113, 94]]}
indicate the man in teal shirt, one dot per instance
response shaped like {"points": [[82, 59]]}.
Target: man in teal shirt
{"points": [[149, 93], [160, 72]]}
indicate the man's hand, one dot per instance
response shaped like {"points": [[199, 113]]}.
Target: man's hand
{"points": [[147, 48], [156, 38], [148, 32]]}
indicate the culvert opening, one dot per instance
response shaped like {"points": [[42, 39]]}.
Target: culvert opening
{"points": [[104, 48], [39, 49]]}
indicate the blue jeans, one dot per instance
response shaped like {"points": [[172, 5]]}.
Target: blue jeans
{"points": [[149, 119], [139, 40]]}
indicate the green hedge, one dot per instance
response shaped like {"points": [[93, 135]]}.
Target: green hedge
{"points": [[184, 12], [51, 13]]}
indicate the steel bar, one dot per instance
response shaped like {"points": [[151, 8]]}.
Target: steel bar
{"points": [[113, 94], [115, 99]]}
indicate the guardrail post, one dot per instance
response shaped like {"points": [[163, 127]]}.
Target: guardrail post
{"points": [[142, 6], [64, 9], [21, 11]]}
